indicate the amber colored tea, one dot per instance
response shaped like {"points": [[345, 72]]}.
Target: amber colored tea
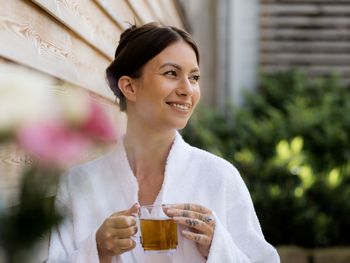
{"points": [[158, 234]]}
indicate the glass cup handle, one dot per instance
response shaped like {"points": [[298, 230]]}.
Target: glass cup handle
{"points": [[137, 236]]}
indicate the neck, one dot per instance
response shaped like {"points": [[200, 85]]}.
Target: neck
{"points": [[147, 150]]}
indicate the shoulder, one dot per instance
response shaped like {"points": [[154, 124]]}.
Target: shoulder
{"points": [[217, 174], [217, 169], [210, 160], [88, 171]]}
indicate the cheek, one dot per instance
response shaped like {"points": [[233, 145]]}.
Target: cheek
{"points": [[197, 95]]}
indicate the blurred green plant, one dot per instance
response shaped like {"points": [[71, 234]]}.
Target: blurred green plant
{"points": [[27, 223], [291, 143]]}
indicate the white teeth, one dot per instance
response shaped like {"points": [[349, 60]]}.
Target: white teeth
{"points": [[180, 106]]}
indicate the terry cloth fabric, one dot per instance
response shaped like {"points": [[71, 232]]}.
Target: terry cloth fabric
{"points": [[91, 192]]}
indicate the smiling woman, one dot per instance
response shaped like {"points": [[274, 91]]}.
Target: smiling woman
{"points": [[155, 75], [167, 91]]}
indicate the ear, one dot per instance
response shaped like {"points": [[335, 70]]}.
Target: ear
{"points": [[127, 87]]}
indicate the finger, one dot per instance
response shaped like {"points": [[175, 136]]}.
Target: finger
{"points": [[120, 221], [192, 207], [125, 232], [124, 244], [111, 234], [198, 238], [132, 210], [186, 213], [195, 224]]}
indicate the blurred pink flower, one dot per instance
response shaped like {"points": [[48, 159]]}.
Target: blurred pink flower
{"points": [[55, 128], [53, 142], [59, 143], [98, 125]]}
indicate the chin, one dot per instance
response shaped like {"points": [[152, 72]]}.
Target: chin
{"points": [[177, 123], [181, 126]]}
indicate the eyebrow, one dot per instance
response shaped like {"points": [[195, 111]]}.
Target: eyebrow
{"points": [[177, 66]]}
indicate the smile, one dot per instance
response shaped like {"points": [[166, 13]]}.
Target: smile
{"points": [[180, 106]]}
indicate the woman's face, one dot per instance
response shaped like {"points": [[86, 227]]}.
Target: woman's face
{"points": [[168, 90]]}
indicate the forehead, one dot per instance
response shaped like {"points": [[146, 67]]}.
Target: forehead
{"points": [[179, 53]]}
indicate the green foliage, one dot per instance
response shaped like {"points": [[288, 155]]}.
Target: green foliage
{"points": [[22, 226], [291, 142]]}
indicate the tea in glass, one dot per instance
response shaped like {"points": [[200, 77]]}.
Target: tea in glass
{"points": [[158, 231]]}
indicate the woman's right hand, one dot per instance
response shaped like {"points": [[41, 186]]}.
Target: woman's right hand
{"points": [[114, 236]]}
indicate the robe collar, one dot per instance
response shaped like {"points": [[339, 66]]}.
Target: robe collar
{"points": [[175, 169]]}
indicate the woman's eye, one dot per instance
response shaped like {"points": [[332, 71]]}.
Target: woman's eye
{"points": [[195, 78], [170, 73]]}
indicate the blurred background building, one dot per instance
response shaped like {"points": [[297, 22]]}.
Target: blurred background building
{"points": [[240, 39]]}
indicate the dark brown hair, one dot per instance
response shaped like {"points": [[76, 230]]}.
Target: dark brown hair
{"points": [[138, 45]]}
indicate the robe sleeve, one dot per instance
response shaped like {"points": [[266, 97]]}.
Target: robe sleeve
{"points": [[240, 238], [63, 246]]}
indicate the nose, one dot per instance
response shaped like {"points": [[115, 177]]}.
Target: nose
{"points": [[185, 88]]}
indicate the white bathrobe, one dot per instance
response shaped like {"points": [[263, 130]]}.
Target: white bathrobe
{"points": [[93, 191]]}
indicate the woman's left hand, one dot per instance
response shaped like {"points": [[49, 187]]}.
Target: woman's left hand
{"points": [[200, 222]]}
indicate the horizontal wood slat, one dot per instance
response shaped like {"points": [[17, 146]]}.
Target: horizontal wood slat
{"points": [[304, 22], [156, 9], [33, 39], [305, 47], [305, 1], [313, 35], [172, 17], [302, 59], [314, 70], [120, 11], [87, 20], [305, 34], [142, 10], [328, 8]]}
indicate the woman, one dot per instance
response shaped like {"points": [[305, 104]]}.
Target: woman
{"points": [[155, 76]]}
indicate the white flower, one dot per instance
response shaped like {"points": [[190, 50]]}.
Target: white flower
{"points": [[24, 97], [74, 104]]}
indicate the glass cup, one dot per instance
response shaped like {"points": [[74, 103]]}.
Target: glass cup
{"points": [[158, 231]]}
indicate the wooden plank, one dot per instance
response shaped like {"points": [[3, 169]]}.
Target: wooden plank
{"points": [[305, 47], [12, 161], [171, 16], [304, 21], [142, 10], [120, 11], [302, 59], [87, 20], [305, 34], [156, 9], [306, 1], [305, 9], [313, 70], [34, 39]]}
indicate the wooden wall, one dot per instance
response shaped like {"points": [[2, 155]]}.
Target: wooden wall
{"points": [[72, 41], [309, 34]]}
